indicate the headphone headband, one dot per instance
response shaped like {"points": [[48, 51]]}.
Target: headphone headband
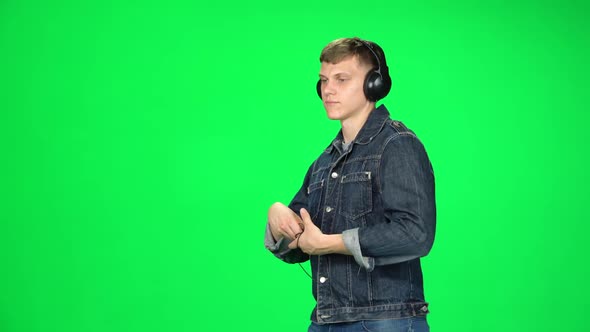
{"points": [[368, 45]]}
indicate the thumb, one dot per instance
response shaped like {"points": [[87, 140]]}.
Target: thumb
{"points": [[305, 217]]}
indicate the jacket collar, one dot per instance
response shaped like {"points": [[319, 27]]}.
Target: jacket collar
{"points": [[375, 122]]}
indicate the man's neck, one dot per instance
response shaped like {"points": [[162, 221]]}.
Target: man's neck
{"points": [[351, 126]]}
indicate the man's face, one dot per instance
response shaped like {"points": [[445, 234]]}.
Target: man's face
{"points": [[342, 88]]}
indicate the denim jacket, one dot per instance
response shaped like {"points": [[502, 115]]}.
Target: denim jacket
{"points": [[379, 194]]}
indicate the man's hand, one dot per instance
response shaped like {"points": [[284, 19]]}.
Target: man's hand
{"points": [[314, 242], [311, 238], [284, 222]]}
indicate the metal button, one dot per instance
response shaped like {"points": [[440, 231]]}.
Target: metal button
{"points": [[328, 209], [334, 175], [323, 279]]}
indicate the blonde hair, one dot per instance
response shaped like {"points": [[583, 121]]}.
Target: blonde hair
{"points": [[344, 48]]}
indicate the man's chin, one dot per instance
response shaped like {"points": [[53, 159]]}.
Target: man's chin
{"points": [[332, 115]]}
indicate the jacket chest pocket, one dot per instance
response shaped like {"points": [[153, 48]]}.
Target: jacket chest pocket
{"points": [[314, 197], [356, 198]]}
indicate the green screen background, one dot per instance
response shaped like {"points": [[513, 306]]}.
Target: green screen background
{"points": [[143, 141]]}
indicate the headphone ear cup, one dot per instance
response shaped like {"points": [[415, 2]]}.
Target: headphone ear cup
{"points": [[318, 88], [374, 86]]}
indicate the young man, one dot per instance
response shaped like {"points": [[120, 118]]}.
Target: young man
{"points": [[365, 213]]}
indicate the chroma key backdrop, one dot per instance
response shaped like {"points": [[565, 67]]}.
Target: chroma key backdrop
{"points": [[142, 143]]}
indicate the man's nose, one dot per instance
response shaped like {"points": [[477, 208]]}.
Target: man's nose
{"points": [[329, 87]]}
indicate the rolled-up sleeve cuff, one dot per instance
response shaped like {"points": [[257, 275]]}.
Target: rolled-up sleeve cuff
{"points": [[278, 248], [351, 241], [269, 241]]}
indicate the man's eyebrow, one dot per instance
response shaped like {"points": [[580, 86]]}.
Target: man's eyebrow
{"points": [[338, 75]]}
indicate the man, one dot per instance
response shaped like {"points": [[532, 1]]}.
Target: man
{"points": [[365, 213]]}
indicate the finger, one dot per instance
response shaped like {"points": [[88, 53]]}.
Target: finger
{"points": [[296, 228], [305, 216], [291, 229], [287, 231], [293, 244]]}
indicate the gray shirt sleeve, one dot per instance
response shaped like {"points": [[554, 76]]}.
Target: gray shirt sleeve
{"points": [[351, 242], [281, 248], [275, 247]]}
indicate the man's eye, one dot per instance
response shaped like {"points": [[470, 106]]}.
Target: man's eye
{"points": [[341, 79]]}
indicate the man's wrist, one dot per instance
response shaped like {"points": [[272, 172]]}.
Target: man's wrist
{"points": [[336, 244]]}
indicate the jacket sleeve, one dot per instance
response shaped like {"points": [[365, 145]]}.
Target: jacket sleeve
{"points": [[409, 210]]}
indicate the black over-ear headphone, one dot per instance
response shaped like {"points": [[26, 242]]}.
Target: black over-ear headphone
{"points": [[377, 82]]}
